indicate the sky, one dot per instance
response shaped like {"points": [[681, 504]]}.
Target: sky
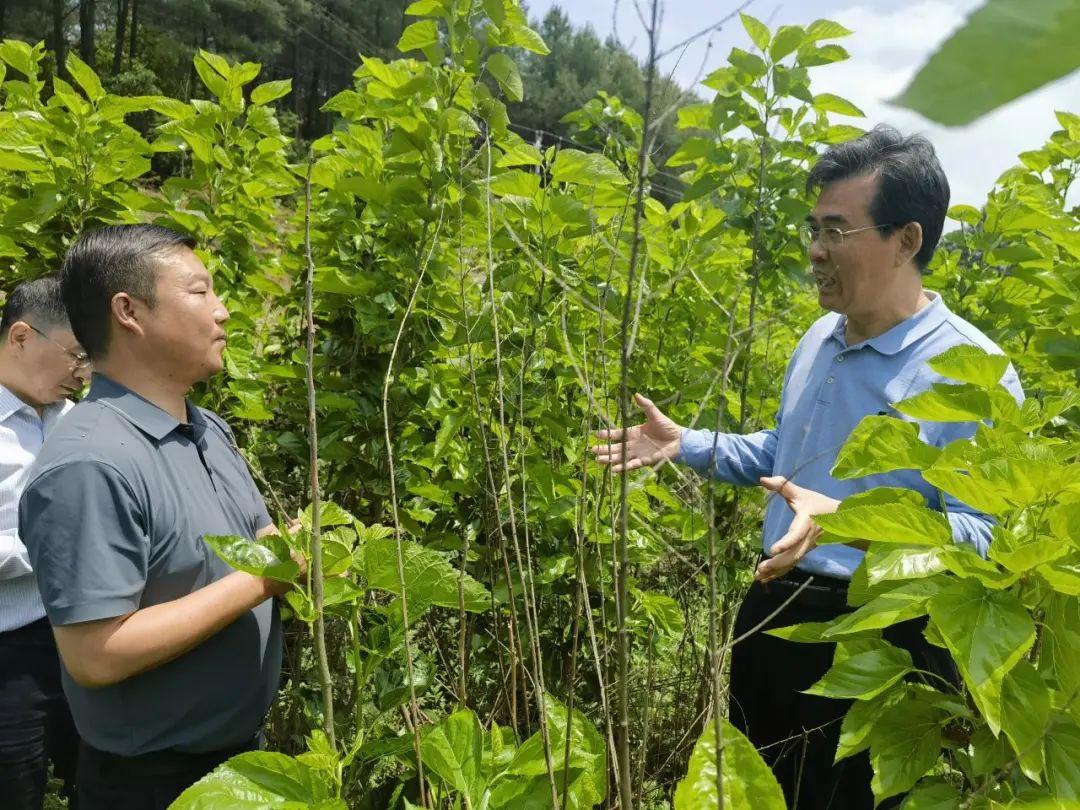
{"points": [[891, 41]]}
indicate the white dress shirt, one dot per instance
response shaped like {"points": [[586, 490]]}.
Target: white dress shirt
{"points": [[22, 433]]}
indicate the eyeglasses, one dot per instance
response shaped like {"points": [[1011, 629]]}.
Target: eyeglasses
{"points": [[78, 359], [830, 237]]}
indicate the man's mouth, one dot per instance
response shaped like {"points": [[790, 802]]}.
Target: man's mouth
{"points": [[825, 281]]}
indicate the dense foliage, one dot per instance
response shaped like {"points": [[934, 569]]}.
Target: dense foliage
{"points": [[496, 634]]}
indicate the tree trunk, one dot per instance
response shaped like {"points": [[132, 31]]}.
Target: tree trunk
{"points": [[121, 31], [59, 44], [86, 31], [133, 45]]}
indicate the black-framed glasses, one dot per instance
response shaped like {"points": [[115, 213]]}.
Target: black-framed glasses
{"points": [[830, 237], [78, 359]]}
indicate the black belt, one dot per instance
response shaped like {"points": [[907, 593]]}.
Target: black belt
{"points": [[816, 589]]}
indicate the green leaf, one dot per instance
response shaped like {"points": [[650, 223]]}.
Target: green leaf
{"points": [[254, 557], [904, 744], [454, 750], [786, 41], [587, 168], [259, 780], [429, 577], [933, 796], [948, 403], [885, 563], [20, 56], [85, 77], [758, 31], [881, 444], [418, 35], [525, 781], [1063, 758], [746, 780], [970, 364], [1004, 51], [1060, 655], [1025, 712], [857, 724], [527, 38], [906, 602], [897, 523], [825, 29], [271, 91], [749, 63], [505, 71], [662, 611], [864, 675], [827, 102], [987, 632]]}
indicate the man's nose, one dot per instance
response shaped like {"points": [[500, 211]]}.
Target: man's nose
{"points": [[818, 253], [82, 374]]}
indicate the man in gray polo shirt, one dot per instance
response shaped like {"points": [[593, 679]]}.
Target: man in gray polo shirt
{"points": [[171, 658]]}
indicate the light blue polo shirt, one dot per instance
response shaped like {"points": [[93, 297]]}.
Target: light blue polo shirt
{"points": [[829, 387]]}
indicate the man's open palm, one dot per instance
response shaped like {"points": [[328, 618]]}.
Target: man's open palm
{"points": [[652, 443]]}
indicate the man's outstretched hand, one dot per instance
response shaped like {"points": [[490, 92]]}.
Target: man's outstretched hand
{"points": [[648, 444], [802, 534]]}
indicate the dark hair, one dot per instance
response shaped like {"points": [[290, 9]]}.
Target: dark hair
{"points": [[39, 300], [911, 184], [107, 261]]}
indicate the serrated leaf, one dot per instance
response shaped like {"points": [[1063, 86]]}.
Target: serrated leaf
{"points": [[881, 444], [970, 364], [418, 35], [908, 601], [987, 632], [259, 779], [948, 403], [828, 102], [271, 91], [898, 523], [785, 41], [453, 750], [1063, 758], [746, 780], [758, 31], [863, 675], [85, 77], [254, 557], [825, 29], [505, 71], [905, 743], [1025, 712], [589, 168], [1002, 52], [429, 577]]}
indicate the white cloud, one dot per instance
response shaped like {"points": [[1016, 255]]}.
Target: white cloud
{"points": [[890, 43]]}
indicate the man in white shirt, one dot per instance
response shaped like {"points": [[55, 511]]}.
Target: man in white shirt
{"points": [[41, 364]]}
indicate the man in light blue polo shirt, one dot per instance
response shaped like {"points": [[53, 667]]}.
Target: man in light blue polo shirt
{"points": [[875, 225]]}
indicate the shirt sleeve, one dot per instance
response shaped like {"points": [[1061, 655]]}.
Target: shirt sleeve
{"points": [[738, 459], [87, 539], [14, 558]]}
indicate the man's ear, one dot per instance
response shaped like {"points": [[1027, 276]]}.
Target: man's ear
{"points": [[129, 312], [910, 242], [18, 335]]}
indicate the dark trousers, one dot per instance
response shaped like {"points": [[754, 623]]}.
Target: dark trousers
{"points": [[797, 734], [35, 723], [150, 781]]}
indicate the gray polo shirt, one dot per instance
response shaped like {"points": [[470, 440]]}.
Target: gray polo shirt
{"points": [[113, 515]]}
